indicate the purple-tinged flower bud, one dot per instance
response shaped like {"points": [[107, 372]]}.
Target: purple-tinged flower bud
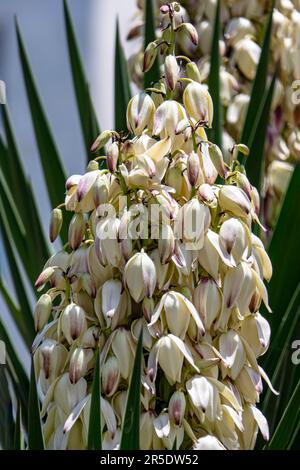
{"points": [[44, 277], [193, 168], [101, 140], [79, 364], [139, 113], [42, 311], [112, 157], [55, 224], [110, 376], [198, 103], [176, 408], [76, 231], [73, 322], [190, 31], [206, 194], [172, 71], [52, 356], [235, 200], [140, 276]]}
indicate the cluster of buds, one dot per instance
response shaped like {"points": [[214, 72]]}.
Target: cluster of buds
{"points": [[161, 242], [242, 25]]}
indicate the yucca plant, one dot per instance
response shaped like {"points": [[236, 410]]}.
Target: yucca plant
{"points": [[180, 414]]}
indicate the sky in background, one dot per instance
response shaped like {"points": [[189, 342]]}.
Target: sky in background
{"points": [[42, 28]]}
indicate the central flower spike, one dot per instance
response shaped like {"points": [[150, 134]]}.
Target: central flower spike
{"points": [[160, 240]]}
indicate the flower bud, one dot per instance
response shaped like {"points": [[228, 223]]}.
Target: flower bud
{"points": [[207, 300], [166, 118], [216, 157], [208, 443], [178, 312], [206, 194], [182, 126], [238, 28], [169, 351], [112, 157], [123, 348], [262, 258], [76, 231], [177, 179], [91, 337], [148, 308], [140, 276], [190, 31], [233, 352], [109, 246], [149, 56], [44, 277], [140, 112], [42, 311], [126, 248], [192, 223], [101, 140], [204, 396], [256, 331], [84, 193], [205, 33], [198, 103], [88, 285], [192, 72], [52, 356], [243, 183], [119, 404], [60, 262], [249, 384], [279, 175], [172, 71], [111, 299], [247, 54], [194, 169], [73, 322], [110, 375], [55, 224], [100, 190], [68, 395], [147, 430], [164, 9], [79, 363], [176, 408], [136, 327], [234, 239], [233, 199], [166, 244], [236, 111], [93, 165]]}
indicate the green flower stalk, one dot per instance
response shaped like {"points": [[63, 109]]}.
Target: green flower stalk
{"points": [[157, 244]]}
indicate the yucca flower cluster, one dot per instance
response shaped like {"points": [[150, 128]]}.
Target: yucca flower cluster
{"points": [[242, 24], [160, 242]]}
